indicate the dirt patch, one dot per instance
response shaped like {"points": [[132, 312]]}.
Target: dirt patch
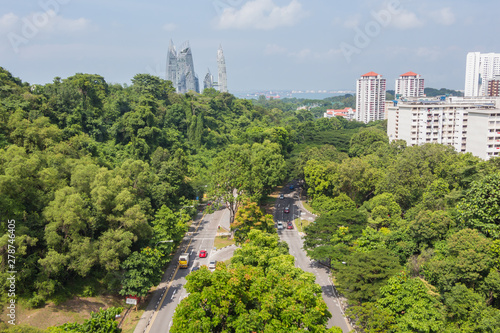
{"points": [[75, 310]]}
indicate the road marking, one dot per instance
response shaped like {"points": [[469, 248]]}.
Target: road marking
{"points": [[150, 324]]}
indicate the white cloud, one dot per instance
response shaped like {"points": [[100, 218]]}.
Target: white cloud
{"points": [[7, 21], [431, 53], [406, 20], [170, 27], [273, 49], [261, 15], [352, 21], [443, 16]]}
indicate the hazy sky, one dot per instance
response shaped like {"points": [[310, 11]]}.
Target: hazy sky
{"points": [[268, 44]]}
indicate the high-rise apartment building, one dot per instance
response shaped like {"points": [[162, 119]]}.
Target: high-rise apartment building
{"points": [[409, 85], [467, 124], [480, 68], [370, 97]]}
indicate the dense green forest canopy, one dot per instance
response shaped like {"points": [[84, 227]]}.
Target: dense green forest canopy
{"points": [[95, 175]]}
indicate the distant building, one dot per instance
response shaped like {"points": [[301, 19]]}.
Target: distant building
{"points": [[180, 69], [409, 85], [221, 84], [347, 113], [480, 68], [467, 124], [370, 97], [208, 82], [221, 70], [493, 86]]}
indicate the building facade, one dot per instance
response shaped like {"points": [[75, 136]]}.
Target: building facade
{"points": [[480, 68], [466, 124], [370, 97], [180, 69], [409, 85]]}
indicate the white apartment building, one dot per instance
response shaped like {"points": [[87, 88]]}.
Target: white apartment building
{"points": [[370, 97], [484, 126], [469, 125], [409, 85], [480, 68]]}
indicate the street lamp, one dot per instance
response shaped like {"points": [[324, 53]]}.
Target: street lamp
{"points": [[164, 241]]}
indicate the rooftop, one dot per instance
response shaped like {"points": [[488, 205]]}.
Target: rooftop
{"points": [[370, 74], [409, 74]]}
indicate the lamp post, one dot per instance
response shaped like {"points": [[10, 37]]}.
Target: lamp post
{"points": [[163, 241]]}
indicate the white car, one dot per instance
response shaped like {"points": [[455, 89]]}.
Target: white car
{"points": [[212, 265], [280, 225]]}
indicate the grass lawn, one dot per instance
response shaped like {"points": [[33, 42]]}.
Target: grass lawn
{"points": [[301, 224], [223, 241]]}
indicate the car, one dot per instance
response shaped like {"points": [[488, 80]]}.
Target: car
{"points": [[291, 187], [203, 254], [212, 265], [280, 225], [195, 267], [282, 196], [287, 210], [289, 225]]}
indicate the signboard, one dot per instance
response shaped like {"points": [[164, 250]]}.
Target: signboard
{"points": [[132, 301]]}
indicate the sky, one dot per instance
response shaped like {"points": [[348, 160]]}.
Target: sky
{"points": [[268, 44]]}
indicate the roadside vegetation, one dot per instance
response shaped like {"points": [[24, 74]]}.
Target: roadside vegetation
{"points": [[102, 181]]}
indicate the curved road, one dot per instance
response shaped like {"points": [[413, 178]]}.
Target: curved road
{"points": [[295, 243]]}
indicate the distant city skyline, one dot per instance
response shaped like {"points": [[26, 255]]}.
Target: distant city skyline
{"points": [[268, 44]]}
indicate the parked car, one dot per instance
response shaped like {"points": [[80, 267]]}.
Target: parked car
{"points": [[212, 265], [289, 225], [203, 254], [287, 210]]}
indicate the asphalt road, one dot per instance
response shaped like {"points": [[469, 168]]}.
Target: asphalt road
{"points": [[171, 291], [295, 243]]}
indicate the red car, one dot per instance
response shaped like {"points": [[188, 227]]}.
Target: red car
{"points": [[203, 254], [287, 210], [289, 225]]}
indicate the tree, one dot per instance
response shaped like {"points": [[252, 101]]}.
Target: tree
{"points": [[363, 273], [430, 227], [324, 204], [465, 257], [480, 208], [260, 292], [319, 177], [414, 303], [367, 141], [319, 241], [357, 178], [250, 217], [142, 271]]}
